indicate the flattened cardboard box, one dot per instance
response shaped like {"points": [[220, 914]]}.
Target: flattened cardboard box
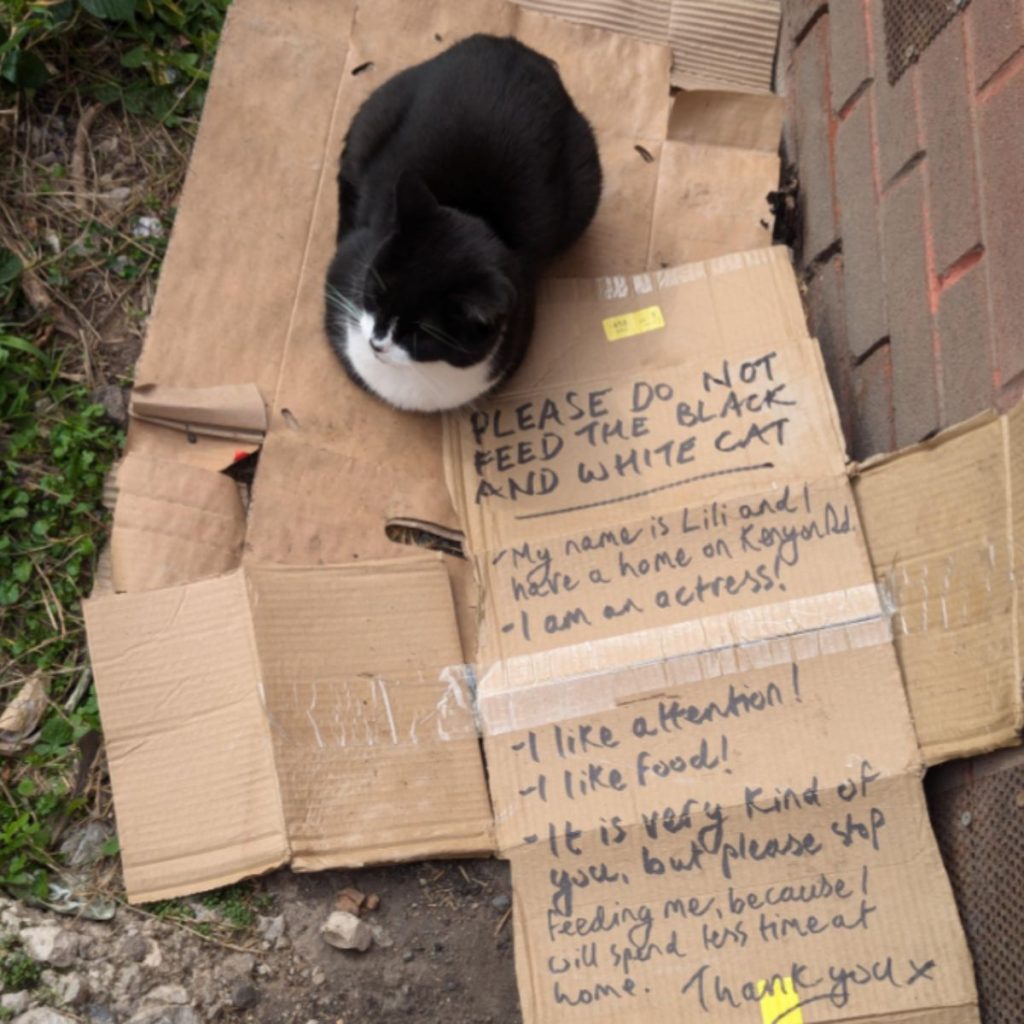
{"points": [[879, 922]]}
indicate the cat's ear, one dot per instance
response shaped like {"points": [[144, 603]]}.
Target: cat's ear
{"points": [[413, 200]]}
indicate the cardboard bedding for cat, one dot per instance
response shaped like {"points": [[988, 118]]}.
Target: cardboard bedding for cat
{"points": [[666, 629]]}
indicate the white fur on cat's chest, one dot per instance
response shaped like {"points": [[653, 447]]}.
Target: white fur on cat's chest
{"points": [[405, 383]]}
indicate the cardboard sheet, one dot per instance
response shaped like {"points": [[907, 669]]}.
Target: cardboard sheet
{"points": [[702, 763], [729, 44], [662, 532], [231, 336], [269, 715], [945, 524]]}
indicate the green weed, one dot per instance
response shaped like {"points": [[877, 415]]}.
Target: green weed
{"points": [[55, 449], [18, 971], [153, 56]]}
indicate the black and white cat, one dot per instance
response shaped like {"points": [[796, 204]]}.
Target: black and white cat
{"points": [[460, 179]]}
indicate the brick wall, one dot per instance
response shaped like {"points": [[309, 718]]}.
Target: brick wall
{"points": [[912, 208]]}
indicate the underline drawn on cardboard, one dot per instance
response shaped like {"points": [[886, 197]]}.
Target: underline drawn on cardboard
{"points": [[649, 491]]}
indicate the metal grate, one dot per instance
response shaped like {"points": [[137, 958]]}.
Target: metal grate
{"points": [[977, 809], [910, 27]]}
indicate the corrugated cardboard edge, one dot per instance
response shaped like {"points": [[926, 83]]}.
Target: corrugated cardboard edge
{"points": [[1000, 731]]}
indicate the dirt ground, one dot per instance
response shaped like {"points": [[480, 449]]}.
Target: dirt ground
{"points": [[442, 950], [88, 197]]}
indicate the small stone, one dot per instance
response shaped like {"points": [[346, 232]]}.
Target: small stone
{"points": [[346, 904], [49, 944], [97, 1014], [271, 928], [238, 965], [15, 1002], [115, 405], [148, 227], [133, 947], [351, 895], [43, 1015], [501, 902], [318, 976], [244, 996], [346, 931], [264, 970], [72, 989], [116, 196], [373, 901], [168, 995], [381, 937], [166, 1015], [83, 846], [408, 956]]}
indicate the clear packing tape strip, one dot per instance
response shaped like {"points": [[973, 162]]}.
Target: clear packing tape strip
{"points": [[534, 691]]}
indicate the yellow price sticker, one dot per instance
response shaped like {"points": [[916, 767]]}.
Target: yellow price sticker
{"points": [[627, 325], [780, 1003]]}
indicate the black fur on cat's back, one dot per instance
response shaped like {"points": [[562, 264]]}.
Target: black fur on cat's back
{"points": [[485, 129]]}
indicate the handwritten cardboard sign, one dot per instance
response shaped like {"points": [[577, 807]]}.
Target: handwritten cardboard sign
{"points": [[701, 760]]}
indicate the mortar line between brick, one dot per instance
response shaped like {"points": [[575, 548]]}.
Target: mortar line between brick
{"points": [[931, 274], [970, 71], [833, 126], [876, 152]]}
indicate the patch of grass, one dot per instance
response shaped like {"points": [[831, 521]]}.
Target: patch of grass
{"points": [[18, 971], [77, 273], [235, 909], [55, 449], [153, 56]]}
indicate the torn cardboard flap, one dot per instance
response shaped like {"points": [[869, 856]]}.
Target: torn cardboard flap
{"points": [[173, 523], [943, 521], [232, 411], [269, 715]]}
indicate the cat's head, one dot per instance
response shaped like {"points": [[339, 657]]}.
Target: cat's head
{"points": [[438, 289]]}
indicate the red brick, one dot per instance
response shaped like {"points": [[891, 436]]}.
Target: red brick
{"points": [[811, 138], [849, 67], [996, 31], [1001, 149], [949, 140], [860, 228], [872, 381], [915, 395], [896, 117], [825, 314], [966, 370]]}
